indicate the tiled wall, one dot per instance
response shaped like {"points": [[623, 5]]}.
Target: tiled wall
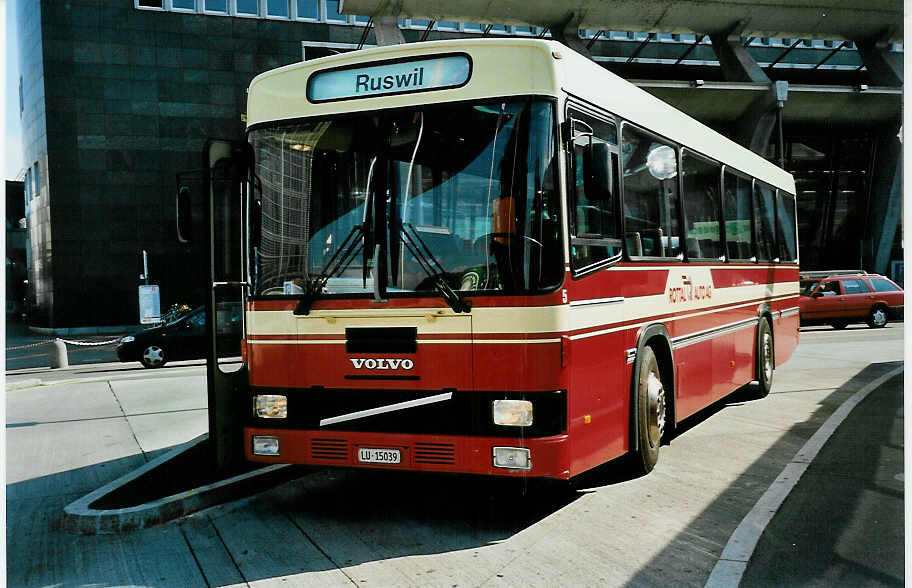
{"points": [[131, 95]]}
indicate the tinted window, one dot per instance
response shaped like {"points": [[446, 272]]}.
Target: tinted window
{"points": [[701, 180], [277, 7], [855, 287], [765, 222], [594, 193], [308, 9], [785, 227], [883, 285], [652, 227], [738, 231], [247, 6]]}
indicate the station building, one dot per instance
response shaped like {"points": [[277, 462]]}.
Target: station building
{"points": [[117, 97]]}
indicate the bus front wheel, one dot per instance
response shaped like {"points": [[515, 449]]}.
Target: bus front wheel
{"points": [[651, 403]]}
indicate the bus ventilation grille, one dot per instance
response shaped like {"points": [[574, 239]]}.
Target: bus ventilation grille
{"points": [[435, 453], [333, 449]]}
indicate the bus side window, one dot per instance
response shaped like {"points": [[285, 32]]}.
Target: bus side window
{"points": [[785, 227], [738, 232], [650, 195], [765, 222], [701, 179], [594, 168]]}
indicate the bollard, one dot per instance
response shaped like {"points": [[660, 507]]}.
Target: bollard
{"points": [[59, 355]]}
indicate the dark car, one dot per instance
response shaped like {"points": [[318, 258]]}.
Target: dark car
{"points": [[183, 338], [838, 299]]}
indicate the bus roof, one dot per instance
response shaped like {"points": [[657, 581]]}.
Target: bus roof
{"points": [[503, 67]]}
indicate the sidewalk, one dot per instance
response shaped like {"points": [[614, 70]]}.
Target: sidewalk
{"points": [[843, 524]]}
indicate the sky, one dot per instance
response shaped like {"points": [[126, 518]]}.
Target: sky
{"points": [[12, 142]]}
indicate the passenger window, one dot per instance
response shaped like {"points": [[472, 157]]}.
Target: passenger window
{"points": [[831, 289], [594, 168], [765, 222], [701, 181], [855, 287], [883, 285], [738, 230], [651, 224], [785, 227]]}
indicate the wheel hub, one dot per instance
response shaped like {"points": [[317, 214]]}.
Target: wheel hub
{"points": [[153, 355], [767, 356], [880, 317], [655, 397]]}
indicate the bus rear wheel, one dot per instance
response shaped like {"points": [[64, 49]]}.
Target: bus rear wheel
{"points": [[765, 365], [651, 413]]}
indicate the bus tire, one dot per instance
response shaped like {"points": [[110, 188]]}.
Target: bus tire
{"points": [[765, 358], [651, 413]]}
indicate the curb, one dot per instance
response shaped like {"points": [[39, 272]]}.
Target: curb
{"points": [[80, 516], [22, 384], [63, 331]]}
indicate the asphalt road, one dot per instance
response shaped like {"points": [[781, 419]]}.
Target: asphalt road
{"points": [[71, 432]]}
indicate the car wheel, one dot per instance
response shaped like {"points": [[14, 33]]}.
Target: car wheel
{"points": [[153, 356], [839, 325], [650, 397], [764, 358], [878, 317]]}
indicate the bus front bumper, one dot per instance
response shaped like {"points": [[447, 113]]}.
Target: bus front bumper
{"points": [[544, 457]]}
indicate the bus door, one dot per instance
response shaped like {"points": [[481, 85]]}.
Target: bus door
{"points": [[222, 245]]}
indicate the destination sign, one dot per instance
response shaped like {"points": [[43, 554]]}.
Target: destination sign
{"points": [[390, 78]]}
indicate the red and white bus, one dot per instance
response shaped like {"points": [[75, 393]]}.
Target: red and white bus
{"points": [[496, 257]]}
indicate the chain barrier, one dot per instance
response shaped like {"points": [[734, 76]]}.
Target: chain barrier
{"points": [[77, 343], [29, 346], [91, 343]]}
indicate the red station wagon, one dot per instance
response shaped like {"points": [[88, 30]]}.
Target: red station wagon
{"points": [[841, 298]]}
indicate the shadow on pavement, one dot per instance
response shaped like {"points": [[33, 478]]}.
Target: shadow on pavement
{"points": [[732, 505], [842, 525]]}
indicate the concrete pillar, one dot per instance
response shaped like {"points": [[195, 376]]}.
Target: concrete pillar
{"points": [[387, 31], [737, 64], [885, 67], [886, 201], [58, 355], [566, 32], [756, 125]]}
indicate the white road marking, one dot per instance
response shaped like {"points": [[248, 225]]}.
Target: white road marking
{"points": [[732, 564]]}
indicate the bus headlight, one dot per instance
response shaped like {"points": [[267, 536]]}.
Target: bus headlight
{"points": [[513, 413], [513, 458], [265, 445], [270, 406]]}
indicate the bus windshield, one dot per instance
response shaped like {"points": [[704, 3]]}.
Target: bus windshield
{"points": [[457, 198]]}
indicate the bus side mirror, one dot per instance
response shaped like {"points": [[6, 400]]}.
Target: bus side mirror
{"points": [[184, 215]]}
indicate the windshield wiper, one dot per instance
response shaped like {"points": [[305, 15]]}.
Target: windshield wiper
{"points": [[429, 263], [348, 250], [344, 255]]}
